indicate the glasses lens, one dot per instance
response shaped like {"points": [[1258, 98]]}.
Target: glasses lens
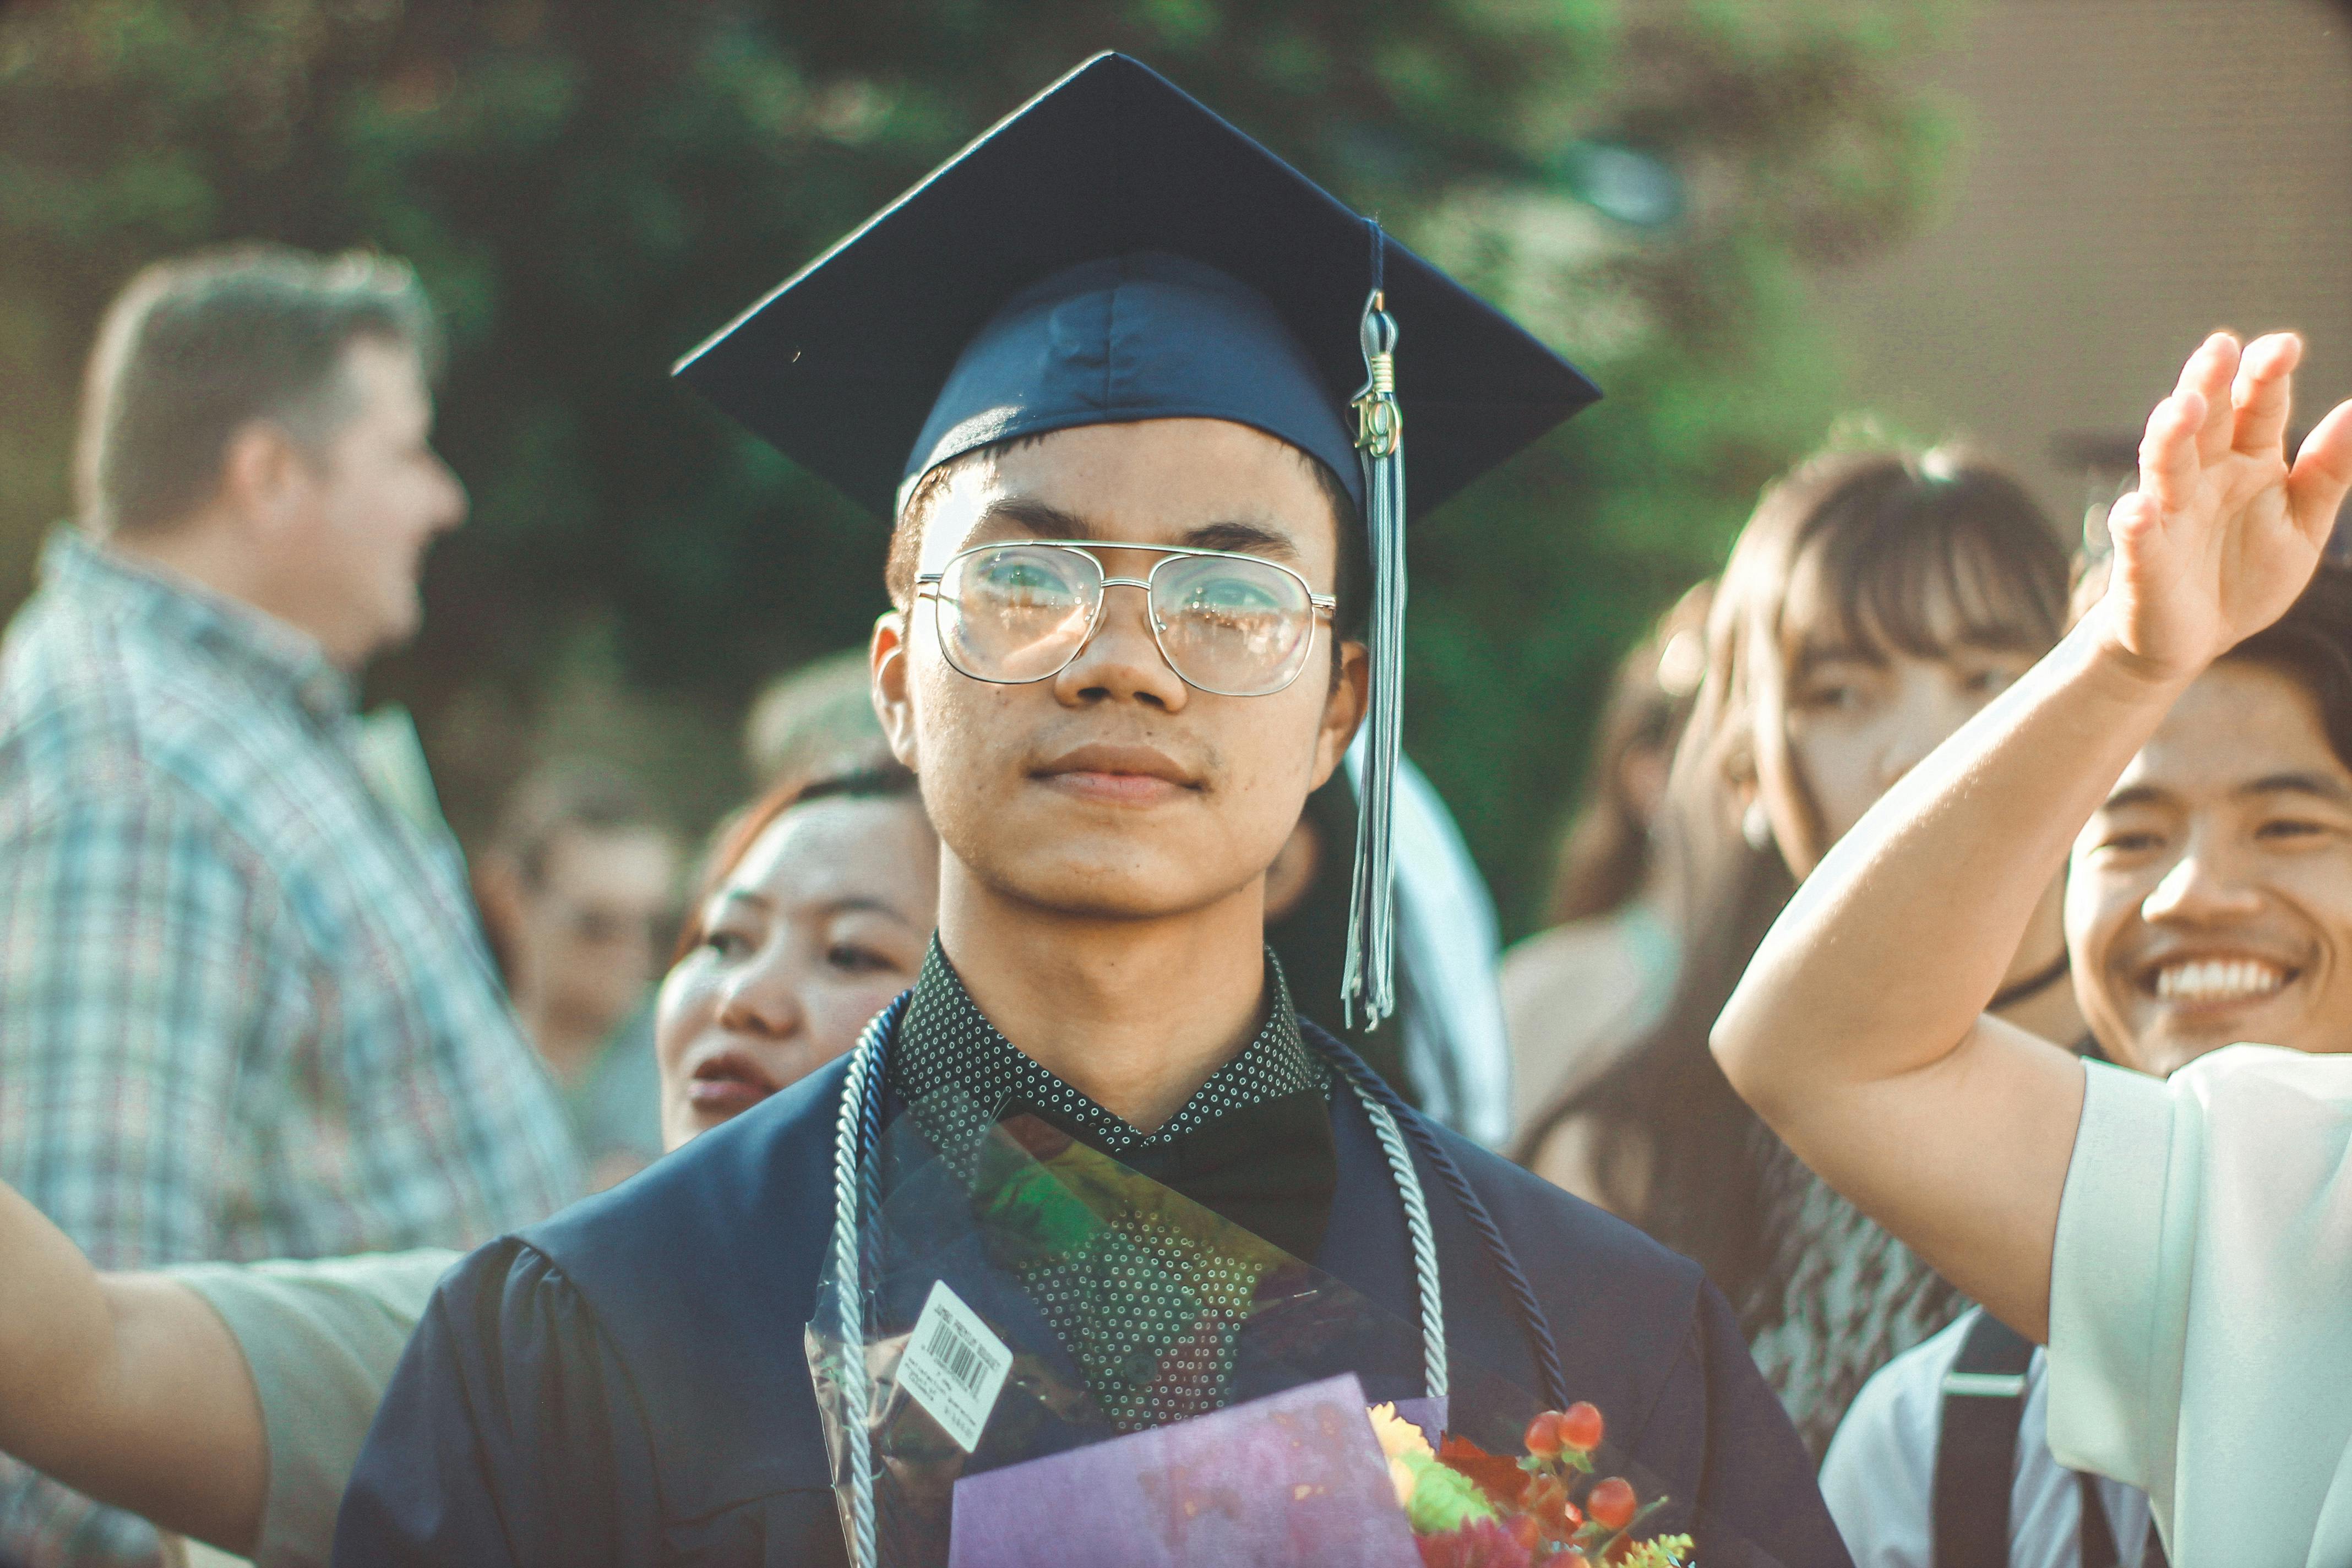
{"points": [[1017, 612], [1235, 626]]}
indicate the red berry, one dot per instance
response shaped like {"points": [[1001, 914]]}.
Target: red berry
{"points": [[1580, 1427], [1571, 1557], [1543, 1435], [1611, 1504]]}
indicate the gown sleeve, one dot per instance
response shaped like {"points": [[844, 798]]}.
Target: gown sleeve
{"points": [[1718, 1430], [511, 1435]]}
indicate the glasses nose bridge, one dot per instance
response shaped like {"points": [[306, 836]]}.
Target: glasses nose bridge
{"points": [[1101, 616]]}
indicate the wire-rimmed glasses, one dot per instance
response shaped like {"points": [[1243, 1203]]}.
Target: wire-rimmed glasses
{"points": [[1228, 624]]}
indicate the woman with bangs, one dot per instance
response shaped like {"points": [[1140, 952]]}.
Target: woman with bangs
{"points": [[1877, 598]]}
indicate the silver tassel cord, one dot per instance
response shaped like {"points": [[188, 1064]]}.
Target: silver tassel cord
{"points": [[1367, 990]]}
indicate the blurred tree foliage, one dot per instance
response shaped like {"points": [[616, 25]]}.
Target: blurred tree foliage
{"points": [[590, 187]]}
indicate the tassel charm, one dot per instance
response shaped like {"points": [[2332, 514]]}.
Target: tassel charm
{"points": [[1380, 423], [1367, 990]]}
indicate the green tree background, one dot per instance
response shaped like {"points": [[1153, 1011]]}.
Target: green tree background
{"points": [[589, 187]]}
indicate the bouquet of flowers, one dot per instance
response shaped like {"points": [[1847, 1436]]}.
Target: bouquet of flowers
{"points": [[998, 1425], [1470, 1508]]}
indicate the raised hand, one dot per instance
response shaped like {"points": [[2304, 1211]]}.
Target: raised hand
{"points": [[2221, 534]]}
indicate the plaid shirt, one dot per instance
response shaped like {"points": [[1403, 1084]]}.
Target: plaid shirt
{"points": [[246, 1009]]}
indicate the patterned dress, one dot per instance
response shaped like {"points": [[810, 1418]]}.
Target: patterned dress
{"points": [[1838, 1297]]}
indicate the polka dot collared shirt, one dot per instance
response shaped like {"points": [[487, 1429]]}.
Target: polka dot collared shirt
{"points": [[1151, 1305]]}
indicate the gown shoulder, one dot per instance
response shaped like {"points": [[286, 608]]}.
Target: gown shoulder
{"points": [[624, 1383]]}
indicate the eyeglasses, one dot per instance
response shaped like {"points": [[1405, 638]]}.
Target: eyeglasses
{"points": [[1232, 625]]}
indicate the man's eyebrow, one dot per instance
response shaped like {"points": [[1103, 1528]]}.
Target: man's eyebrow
{"points": [[1245, 538], [1043, 520], [1037, 519], [745, 896], [2137, 794], [2320, 785]]}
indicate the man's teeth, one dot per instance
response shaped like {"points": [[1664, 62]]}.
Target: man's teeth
{"points": [[2218, 980]]}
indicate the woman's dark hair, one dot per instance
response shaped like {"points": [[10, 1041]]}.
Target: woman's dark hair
{"points": [[1896, 548], [1605, 856], [883, 780]]}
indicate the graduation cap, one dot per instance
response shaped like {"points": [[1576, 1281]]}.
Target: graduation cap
{"points": [[1114, 251]]}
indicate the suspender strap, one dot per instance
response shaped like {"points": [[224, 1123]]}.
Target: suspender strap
{"points": [[2098, 1536], [1976, 1456]]}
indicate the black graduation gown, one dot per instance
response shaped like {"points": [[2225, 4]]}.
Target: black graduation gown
{"points": [[626, 1384]]}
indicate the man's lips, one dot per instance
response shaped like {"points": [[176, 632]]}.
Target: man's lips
{"points": [[1126, 775], [2215, 979]]}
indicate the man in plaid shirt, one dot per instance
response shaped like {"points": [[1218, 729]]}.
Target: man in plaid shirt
{"points": [[245, 1010]]}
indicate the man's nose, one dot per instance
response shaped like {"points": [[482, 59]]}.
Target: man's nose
{"points": [[2207, 883], [454, 503], [1122, 659]]}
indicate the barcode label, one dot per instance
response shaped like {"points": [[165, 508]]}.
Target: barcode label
{"points": [[954, 1366]]}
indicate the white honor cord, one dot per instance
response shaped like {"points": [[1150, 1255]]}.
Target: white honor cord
{"points": [[850, 1168], [856, 1437]]}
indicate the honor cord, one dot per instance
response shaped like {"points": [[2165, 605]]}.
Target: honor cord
{"points": [[857, 1136]]}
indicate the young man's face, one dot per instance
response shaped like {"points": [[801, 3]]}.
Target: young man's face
{"points": [[1113, 790], [2210, 898]]}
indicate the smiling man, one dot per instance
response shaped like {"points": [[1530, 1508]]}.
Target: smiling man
{"points": [[2210, 897], [2209, 901], [2184, 1244], [1098, 370]]}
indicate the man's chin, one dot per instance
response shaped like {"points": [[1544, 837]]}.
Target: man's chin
{"points": [[2173, 1044], [1081, 892]]}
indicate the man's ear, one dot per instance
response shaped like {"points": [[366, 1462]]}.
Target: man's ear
{"points": [[265, 478], [1343, 710], [498, 894], [893, 703]]}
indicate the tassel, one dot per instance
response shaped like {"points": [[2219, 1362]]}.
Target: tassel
{"points": [[1367, 990]]}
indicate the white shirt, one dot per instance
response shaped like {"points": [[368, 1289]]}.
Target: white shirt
{"points": [[320, 1338], [1880, 1477], [2200, 1302]]}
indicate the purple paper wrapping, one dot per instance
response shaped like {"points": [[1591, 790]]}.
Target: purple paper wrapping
{"points": [[1281, 1482]]}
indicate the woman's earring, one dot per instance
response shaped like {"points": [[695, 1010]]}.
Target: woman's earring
{"points": [[1756, 826]]}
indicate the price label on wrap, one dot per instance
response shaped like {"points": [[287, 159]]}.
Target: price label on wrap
{"points": [[954, 1366]]}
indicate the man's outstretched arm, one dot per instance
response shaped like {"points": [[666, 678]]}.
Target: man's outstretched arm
{"points": [[1858, 1031], [126, 1386]]}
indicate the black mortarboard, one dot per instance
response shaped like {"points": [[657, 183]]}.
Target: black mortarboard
{"points": [[1114, 251]]}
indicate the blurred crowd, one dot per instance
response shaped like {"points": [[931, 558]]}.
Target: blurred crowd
{"points": [[258, 1008]]}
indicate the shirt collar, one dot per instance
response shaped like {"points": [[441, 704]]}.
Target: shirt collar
{"points": [[947, 1052], [275, 657]]}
